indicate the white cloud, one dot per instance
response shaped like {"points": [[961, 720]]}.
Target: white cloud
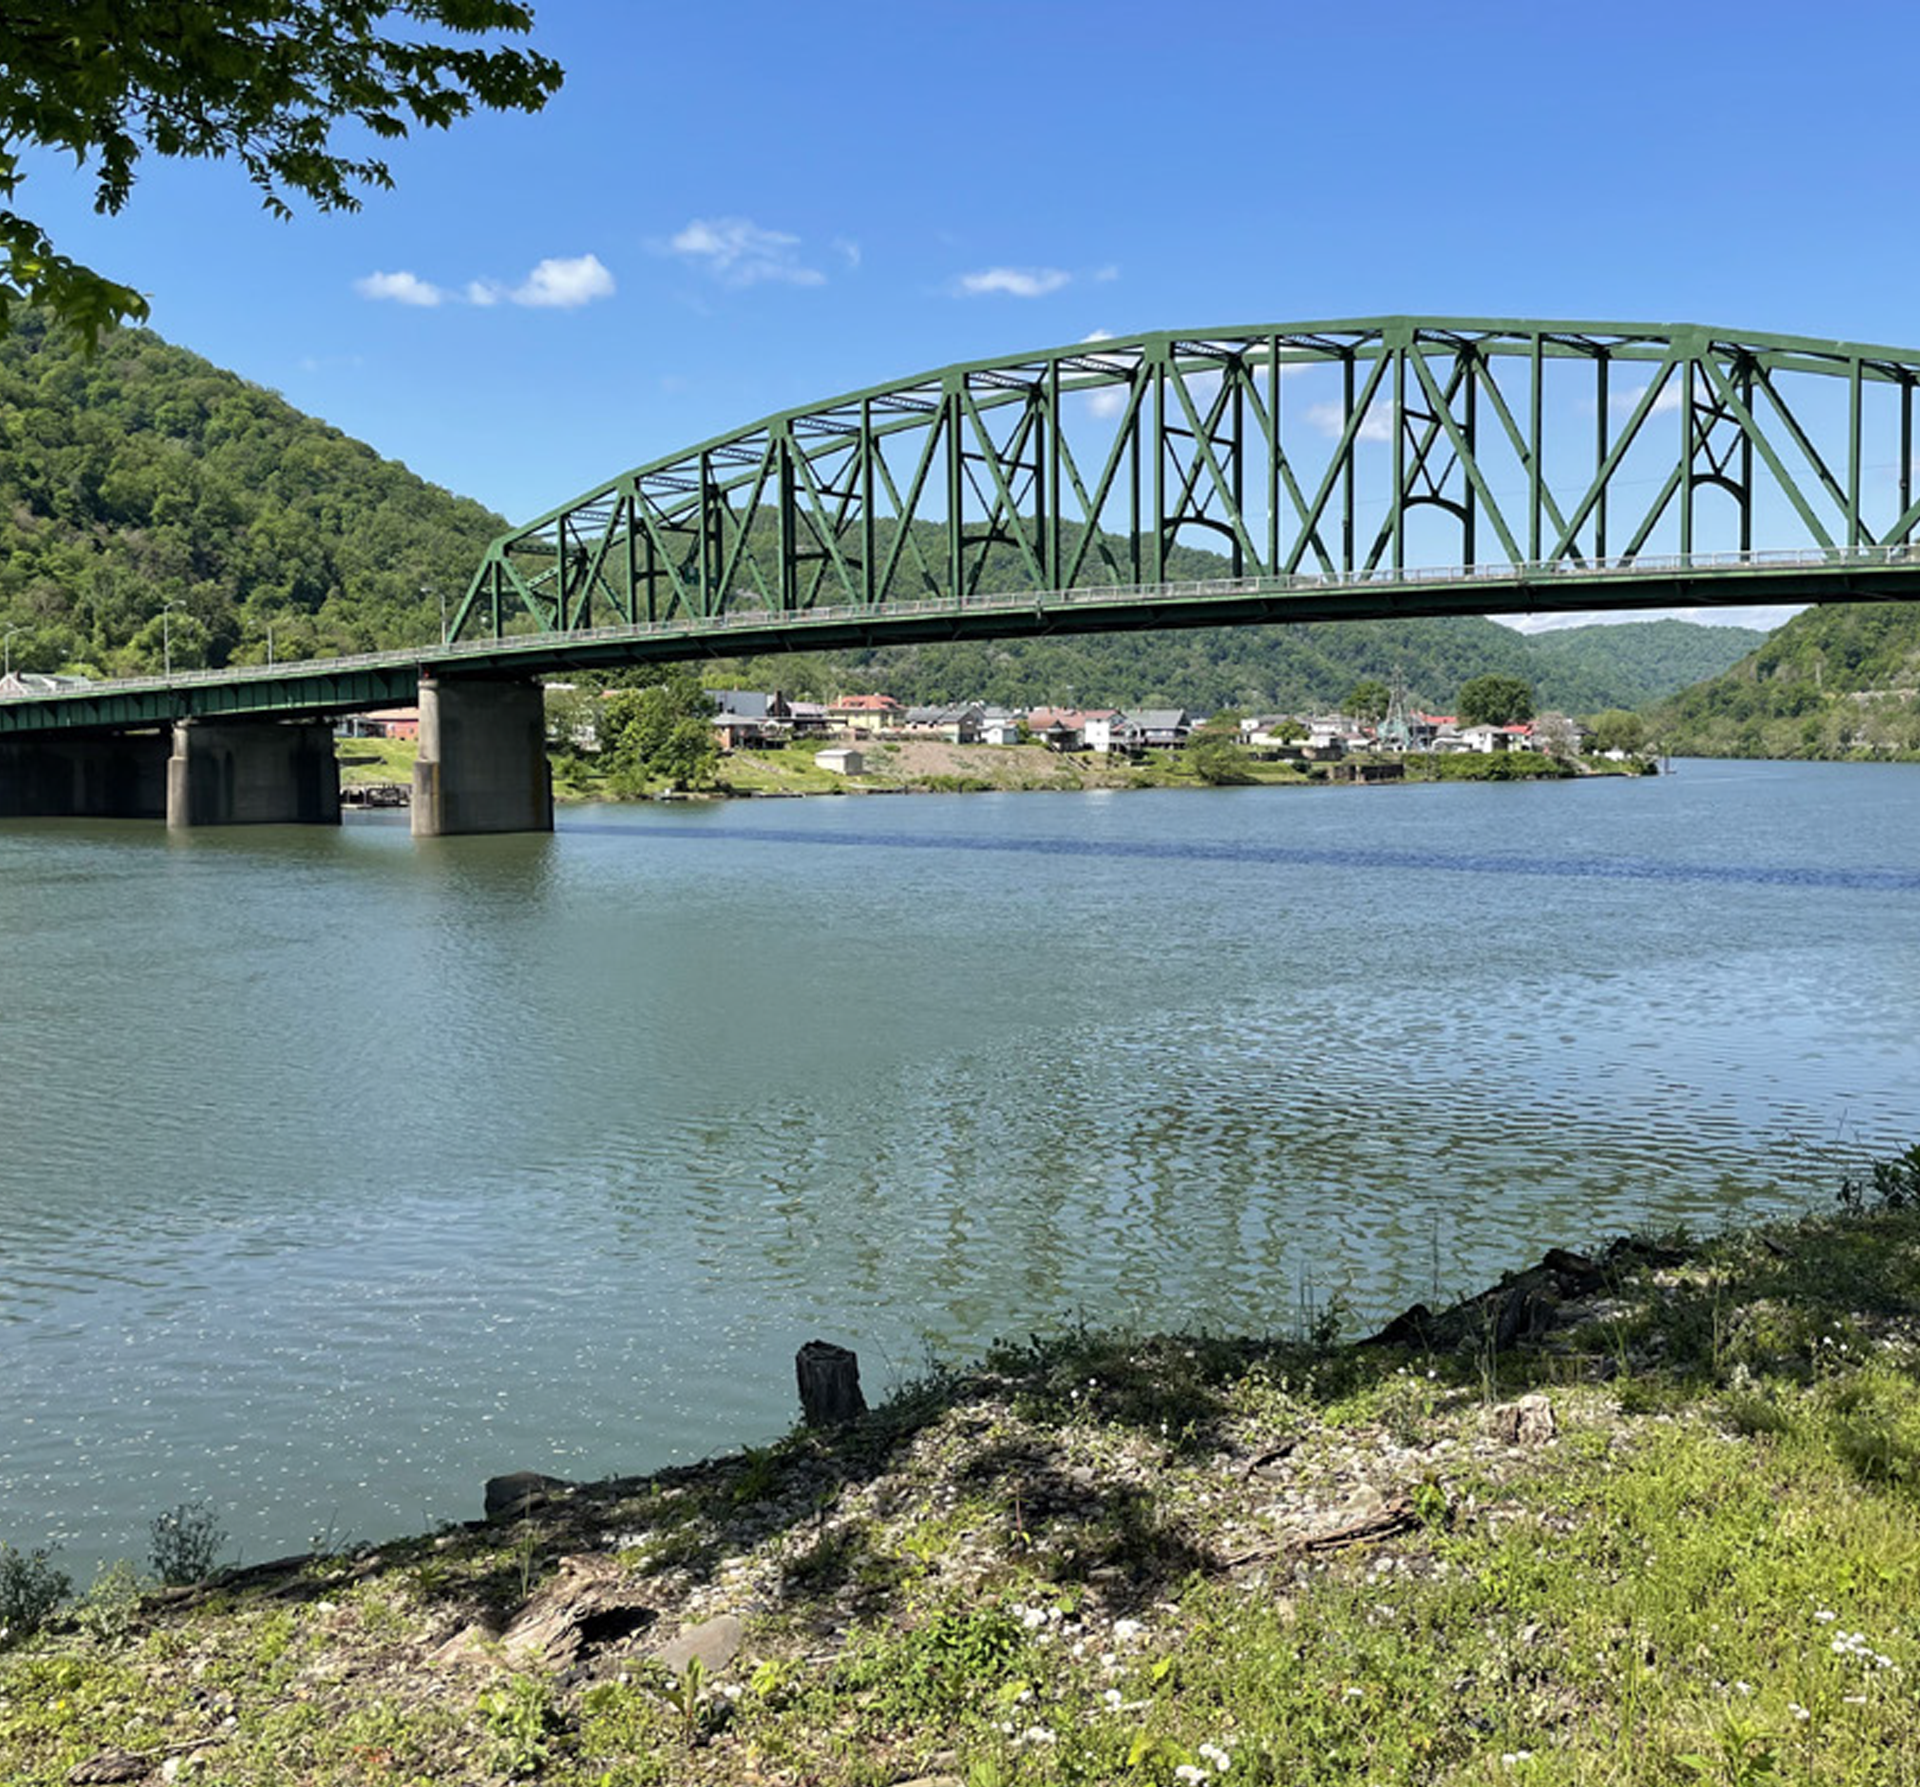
{"points": [[1331, 420], [564, 284], [1623, 403], [1764, 619], [849, 251], [737, 251], [1106, 275], [400, 288], [1012, 282], [560, 283]]}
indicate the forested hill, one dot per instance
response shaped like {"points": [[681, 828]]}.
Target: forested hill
{"points": [[147, 476], [1832, 682], [1288, 669]]}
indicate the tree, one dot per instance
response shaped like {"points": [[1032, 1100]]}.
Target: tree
{"points": [[663, 731], [1494, 700], [1369, 699], [1618, 730], [1553, 734], [1216, 759], [262, 81]]}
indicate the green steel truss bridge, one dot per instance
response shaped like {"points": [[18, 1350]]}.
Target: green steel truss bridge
{"points": [[1389, 466]]}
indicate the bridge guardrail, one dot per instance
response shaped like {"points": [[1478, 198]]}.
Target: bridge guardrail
{"points": [[427, 657]]}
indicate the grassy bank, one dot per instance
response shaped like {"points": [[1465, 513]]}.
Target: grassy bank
{"points": [[1645, 1516]]}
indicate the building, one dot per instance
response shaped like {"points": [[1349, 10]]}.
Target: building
{"points": [[841, 760], [868, 714]]}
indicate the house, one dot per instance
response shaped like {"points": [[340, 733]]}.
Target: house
{"points": [[841, 760], [386, 722], [1488, 739], [957, 722], [1424, 729], [809, 718], [747, 717], [1156, 727], [1058, 728], [999, 726], [869, 714], [1098, 726]]}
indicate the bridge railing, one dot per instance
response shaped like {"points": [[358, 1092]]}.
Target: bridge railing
{"points": [[1503, 572]]}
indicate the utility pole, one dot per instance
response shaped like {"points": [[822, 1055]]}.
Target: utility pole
{"points": [[8, 643], [166, 641]]}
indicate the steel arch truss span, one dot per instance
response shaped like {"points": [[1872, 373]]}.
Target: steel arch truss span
{"points": [[1436, 465]]}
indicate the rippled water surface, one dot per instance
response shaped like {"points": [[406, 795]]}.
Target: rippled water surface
{"points": [[342, 1172]]}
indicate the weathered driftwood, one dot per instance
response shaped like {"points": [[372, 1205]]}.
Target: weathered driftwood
{"points": [[589, 1603], [829, 1380]]}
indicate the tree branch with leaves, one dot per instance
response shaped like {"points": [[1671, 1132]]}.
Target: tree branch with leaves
{"points": [[262, 82]]}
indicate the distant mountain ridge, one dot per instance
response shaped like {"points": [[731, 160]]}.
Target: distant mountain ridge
{"points": [[147, 481], [1838, 681]]}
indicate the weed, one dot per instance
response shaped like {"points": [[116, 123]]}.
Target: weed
{"points": [[185, 1543], [110, 1609], [520, 1720], [30, 1589]]}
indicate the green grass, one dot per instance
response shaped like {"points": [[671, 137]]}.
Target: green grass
{"points": [[1077, 1561]]}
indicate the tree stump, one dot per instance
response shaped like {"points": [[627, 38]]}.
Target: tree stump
{"points": [[829, 1379]]}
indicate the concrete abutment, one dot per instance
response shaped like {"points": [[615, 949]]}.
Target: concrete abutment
{"points": [[483, 758], [252, 773]]}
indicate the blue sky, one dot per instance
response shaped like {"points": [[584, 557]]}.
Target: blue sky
{"points": [[732, 210]]}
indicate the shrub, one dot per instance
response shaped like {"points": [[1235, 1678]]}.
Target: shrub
{"points": [[30, 1589], [186, 1543]]}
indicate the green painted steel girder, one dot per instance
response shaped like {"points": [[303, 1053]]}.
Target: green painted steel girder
{"points": [[1354, 445]]}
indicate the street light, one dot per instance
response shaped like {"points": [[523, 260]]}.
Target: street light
{"points": [[269, 645], [166, 640], [7, 641]]}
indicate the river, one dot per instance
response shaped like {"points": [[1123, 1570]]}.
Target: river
{"points": [[340, 1173]]}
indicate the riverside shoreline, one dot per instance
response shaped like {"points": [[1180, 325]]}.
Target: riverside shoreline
{"points": [[1614, 1513]]}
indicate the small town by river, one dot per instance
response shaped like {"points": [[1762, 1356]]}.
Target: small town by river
{"points": [[343, 1172]]}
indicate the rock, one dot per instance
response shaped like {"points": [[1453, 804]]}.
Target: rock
{"points": [[520, 1492], [1528, 1422], [1411, 1328], [714, 1642]]}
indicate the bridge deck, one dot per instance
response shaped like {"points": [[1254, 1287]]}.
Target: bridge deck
{"points": [[384, 679]]}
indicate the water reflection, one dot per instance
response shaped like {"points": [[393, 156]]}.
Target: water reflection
{"points": [[345, 1172]]}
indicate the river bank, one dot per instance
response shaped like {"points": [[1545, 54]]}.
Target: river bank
{"points": [[1645, 1514], [931, 766]]}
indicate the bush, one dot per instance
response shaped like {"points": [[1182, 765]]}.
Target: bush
{"points": [[186, 1543], [30, 1589]]}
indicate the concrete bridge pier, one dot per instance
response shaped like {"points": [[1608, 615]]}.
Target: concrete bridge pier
{"points": [[483, 758], [252, 773], [121, 776]]}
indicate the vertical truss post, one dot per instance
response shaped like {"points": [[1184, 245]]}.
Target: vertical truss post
{"points": [[1536, 449], [956, 486], [1347, 470], [786, 578], [704, 523], [653, 568], [1689, 438], [1159, 562], [1134, 426], [632, 509], [1471, 497], [496, 601], [1853, 451], [1601, 448], [1746, 458], [1906, 452], [1052, 496], [1272, 566], [1237, 471], [1400, 455], [868, 447]]}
